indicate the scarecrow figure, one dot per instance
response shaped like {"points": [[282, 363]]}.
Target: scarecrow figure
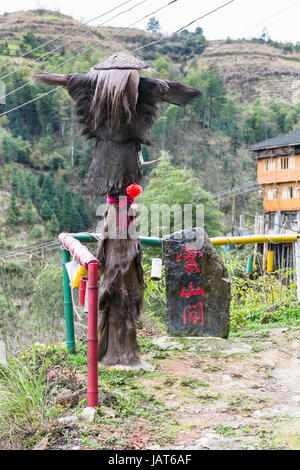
{"points": [[116, 108]]}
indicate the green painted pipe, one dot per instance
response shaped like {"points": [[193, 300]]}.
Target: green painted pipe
{"points": [[68, 306], [151, 241], [86, 237], [83, 237]]}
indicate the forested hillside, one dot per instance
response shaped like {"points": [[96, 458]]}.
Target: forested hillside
{"points": [[241, 393], [44, 160]]}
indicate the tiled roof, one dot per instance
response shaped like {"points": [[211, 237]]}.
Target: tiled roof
{"points": [[290, 138]]}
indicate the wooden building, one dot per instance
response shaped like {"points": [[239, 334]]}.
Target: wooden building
{"points": [[278, 174]]}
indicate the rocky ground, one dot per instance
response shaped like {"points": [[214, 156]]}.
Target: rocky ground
{"points": [[239, 394]]}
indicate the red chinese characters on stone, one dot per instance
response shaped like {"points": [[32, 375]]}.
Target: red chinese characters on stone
{"points": [[194, 313], [189, 255], [192, 291]]}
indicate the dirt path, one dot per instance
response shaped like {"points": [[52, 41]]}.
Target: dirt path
{"points": [[241, 393], [197, 394]]}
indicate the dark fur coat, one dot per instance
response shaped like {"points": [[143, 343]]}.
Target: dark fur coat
{"points": [[115, 159]]}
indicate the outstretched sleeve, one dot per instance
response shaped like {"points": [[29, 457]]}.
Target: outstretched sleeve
{"points": [[51, 78], [153, 90], [179, 94]]}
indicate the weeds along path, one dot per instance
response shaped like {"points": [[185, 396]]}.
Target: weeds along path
{"points": [[208, 393]]}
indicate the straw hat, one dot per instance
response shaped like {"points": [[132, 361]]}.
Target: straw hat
{"points": [[121, 60]]}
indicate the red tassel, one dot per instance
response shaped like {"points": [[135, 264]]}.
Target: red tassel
{"points": [[134, 190]]}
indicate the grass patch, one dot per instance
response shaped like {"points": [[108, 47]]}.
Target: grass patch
{"points": [[25, 396], [227, 431], [193, 383], [208, 396]]}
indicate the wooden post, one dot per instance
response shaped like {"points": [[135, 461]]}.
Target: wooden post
{"points": [[233, 211], [266, 245], [241, 221], [256, 229], [298, 267]]}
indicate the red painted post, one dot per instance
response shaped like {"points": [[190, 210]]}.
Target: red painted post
{"points": [[92, 334], [82, 290]]}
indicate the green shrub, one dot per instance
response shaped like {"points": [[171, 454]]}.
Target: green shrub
{"points": [[267, 299]]}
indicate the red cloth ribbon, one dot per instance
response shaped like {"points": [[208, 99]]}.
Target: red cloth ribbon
{"points": [[111, 200], [132, 191]]}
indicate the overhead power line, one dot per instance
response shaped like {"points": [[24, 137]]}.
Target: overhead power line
{"points": [[109, 37], [69, 42], [62, 63], [252, 27], [184, 27], [65, 33], [31, 101], [88, 48], [235, 190]]}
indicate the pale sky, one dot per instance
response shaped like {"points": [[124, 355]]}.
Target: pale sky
{"points": [[241, 18]]}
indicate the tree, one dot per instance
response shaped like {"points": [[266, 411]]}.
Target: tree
{"points": [[67, 212], [29, 215], [57, 208], [33, 187], [15, 149], [259, 123], [53, 225], [162, 66], [265, 35], [82, 209], [13, 212], [209, 106], [77, 224], [47, 191], [153, 25], [170, 186], [46, 211], [21, 189], [41, 179], [14, 179]]}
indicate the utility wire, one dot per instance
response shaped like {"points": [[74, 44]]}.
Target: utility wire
{"points": [[233, 188], [63, 34], [68, 42], [277, 225], [184, 27], [252, 27], [85, 50], [30, 248], [30, 101], [109, 37], [62, 63]]}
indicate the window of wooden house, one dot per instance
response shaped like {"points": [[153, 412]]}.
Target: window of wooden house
{"points": [[292, 162], [289, 192], [270, 194], [272, 225], [269, 164], [285, 193], [283, 163], [290, 218]]}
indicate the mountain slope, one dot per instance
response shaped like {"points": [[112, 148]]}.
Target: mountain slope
{"points": [[209, 136], [252, 69]]}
